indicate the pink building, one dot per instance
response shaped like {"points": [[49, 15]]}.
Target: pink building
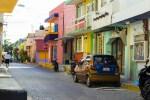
{"points": [[41, 51], [55, 20], [58, 18]]}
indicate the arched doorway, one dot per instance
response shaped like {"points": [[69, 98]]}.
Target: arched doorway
{"points": [[118, 53]]}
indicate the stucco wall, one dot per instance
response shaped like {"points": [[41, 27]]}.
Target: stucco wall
{"points": [[107, 46], [136, 28], [70, 15], [59, 9]]}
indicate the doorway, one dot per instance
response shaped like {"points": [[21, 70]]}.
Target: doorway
{"points": [[118, 53]]}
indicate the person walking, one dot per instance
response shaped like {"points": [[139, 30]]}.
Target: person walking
{"points": [[7, 59]]}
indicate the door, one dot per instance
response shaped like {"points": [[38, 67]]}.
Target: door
{"points": [[118, 53]]}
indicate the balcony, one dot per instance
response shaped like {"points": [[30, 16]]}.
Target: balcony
{"points": [[80, 25]]}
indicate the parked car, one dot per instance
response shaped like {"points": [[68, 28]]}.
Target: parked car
{"points": [[97, 68]]}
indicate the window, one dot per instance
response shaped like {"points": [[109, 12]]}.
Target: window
{"points": [[140, 51], [79, 44], [81, 10]]}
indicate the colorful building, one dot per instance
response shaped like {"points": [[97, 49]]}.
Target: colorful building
{"points": [[55, 30], [68, 51], [114, 31], [81, 27], [30, 44], [60, 45], [41, 54], [122, 33], [136, 36]]}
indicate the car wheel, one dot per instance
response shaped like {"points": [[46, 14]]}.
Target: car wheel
{"points": [[75, 79], [88, 82]]}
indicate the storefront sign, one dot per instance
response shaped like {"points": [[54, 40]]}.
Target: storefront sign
{"points": [[102, 17]]}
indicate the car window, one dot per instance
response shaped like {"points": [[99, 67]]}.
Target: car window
{"points": [[109, 60], [98, 60], [104, 59]]}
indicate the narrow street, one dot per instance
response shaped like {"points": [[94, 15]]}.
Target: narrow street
{"points": [[42, 84]]}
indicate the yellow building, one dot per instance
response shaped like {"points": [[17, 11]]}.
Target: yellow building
{"points": [[82, 33]]}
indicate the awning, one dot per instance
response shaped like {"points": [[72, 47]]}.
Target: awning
{"points": [[7, 6], [64, 38], [52, 16], [50, 37]]}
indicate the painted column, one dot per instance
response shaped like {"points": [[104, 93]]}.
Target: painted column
{"points": [[127, 57], [92, 43], [82, 43], [107, 46]]}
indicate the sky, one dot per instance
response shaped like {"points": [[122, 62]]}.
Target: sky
{"points": [[27, 18]]}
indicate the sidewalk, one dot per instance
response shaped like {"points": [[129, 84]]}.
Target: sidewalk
{"points": [[9, 88], [6, 79]]}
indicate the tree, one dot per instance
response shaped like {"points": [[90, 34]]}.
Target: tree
{"points": [[7, 46], [16, 53], [23, 54]]}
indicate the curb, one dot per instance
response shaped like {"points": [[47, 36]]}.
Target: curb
{"points": [[130, 87], [3, 75]]}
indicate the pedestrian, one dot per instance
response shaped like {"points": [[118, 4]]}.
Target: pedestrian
{"points": [[55, 64], [7, 59]]}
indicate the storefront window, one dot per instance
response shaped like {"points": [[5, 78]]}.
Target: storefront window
{"points": [[79, 44]]}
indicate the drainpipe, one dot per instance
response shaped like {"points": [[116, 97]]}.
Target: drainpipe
{"points": [[146, 31]]}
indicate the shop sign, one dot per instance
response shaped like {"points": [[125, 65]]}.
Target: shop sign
{"points": [[102, 17]]}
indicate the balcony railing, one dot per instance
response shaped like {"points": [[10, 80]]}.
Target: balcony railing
{"points": [[80, 24]]}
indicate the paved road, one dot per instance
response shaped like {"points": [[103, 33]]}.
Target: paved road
{"points": [[42, 84]]}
